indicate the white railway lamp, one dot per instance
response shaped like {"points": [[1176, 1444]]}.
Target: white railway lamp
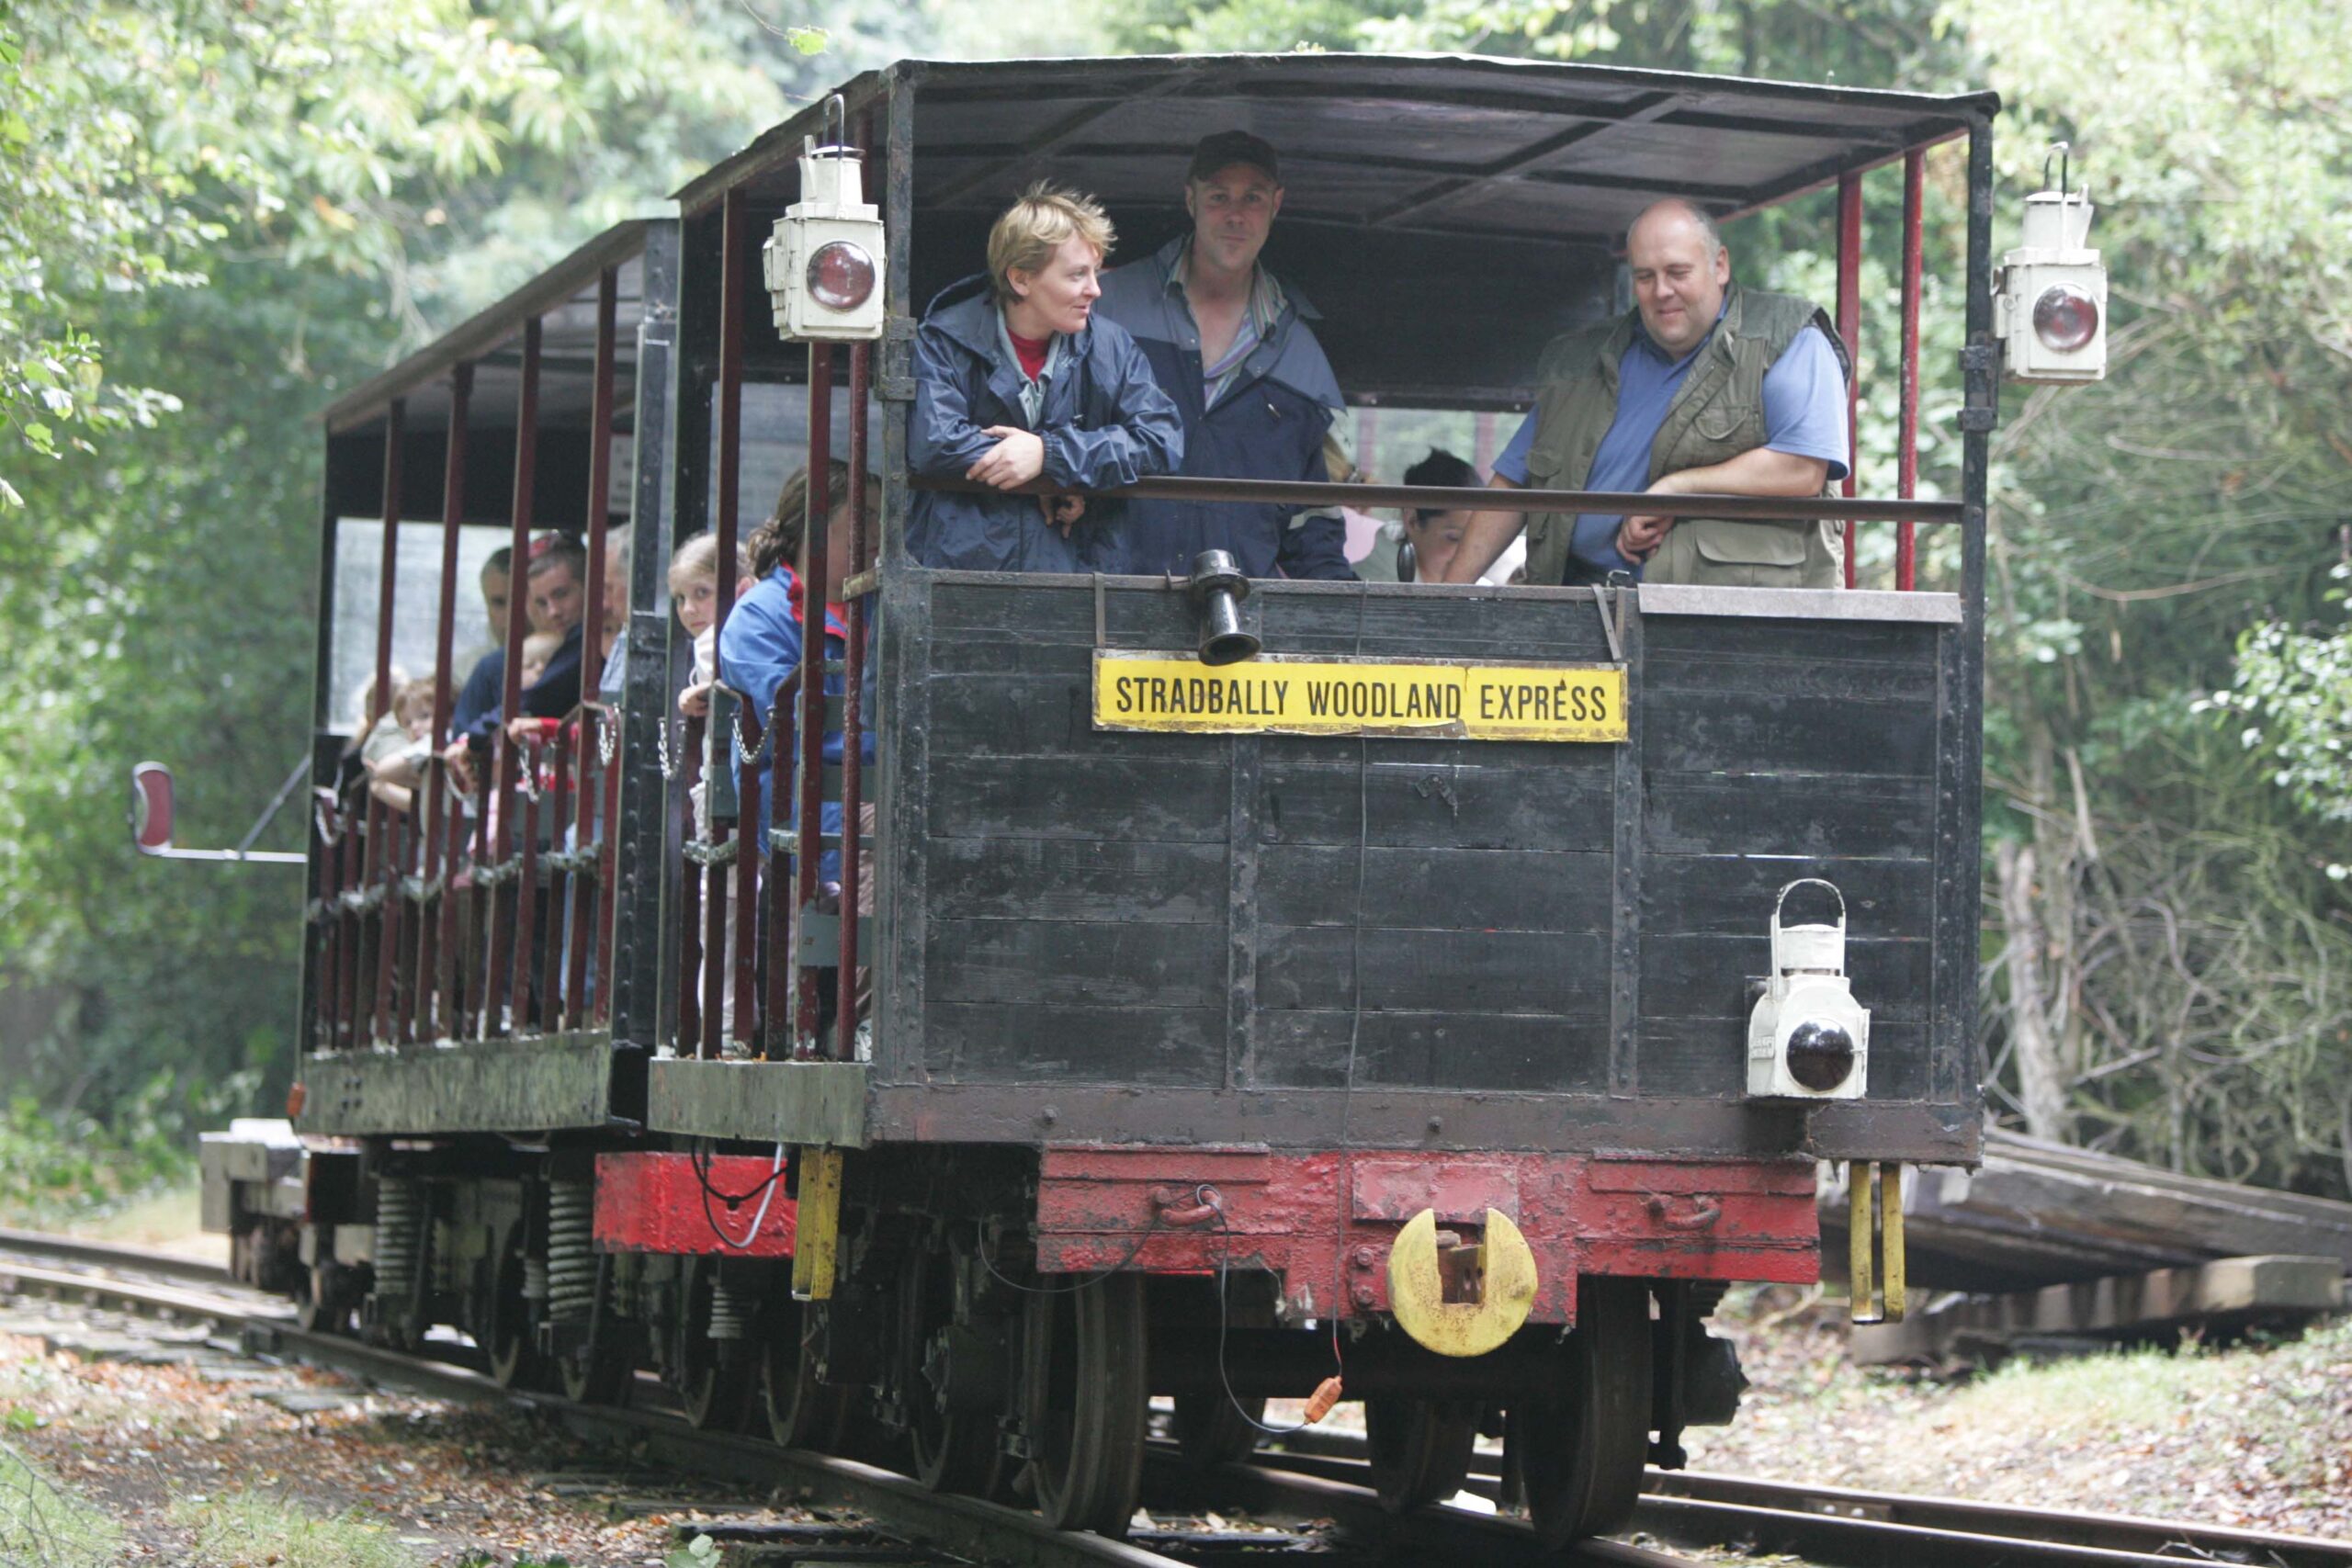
{"points": [[1808, 1038], [823, 260], [2050, 303]]}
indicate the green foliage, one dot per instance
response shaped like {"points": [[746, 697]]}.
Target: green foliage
{"points": [[57, 1168], [2294, 692], [320, 186], [247, 1528]]}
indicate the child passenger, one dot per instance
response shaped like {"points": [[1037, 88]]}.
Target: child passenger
{"points": [[1024, 381], [759, 647]]}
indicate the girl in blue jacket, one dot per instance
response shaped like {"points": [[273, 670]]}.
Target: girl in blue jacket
{"points": [[1024, 381]]}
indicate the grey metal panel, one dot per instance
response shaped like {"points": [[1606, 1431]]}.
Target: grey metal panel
{"points": [[643, 944], [562, 1081], [790, 1102], [1799, 604]]}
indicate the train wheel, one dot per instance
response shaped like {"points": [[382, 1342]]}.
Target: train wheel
{"points": [[1420, 1448], [955, 1450], [1580, 1459], [1213, 1429], [327, 1297], [600, 1368], [514, 1358], [1086, 1395], [802, 1412], [711, 1345]]}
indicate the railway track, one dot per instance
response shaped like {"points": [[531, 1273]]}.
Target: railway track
{"points": [[1314, 1477]]}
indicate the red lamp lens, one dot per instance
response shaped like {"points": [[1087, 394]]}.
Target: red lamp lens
{"points": [[841, 275], [2065, 318]]}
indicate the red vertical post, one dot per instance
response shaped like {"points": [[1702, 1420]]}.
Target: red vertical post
{"points": [[811, 725], [749, 852], [507, 975], [861, 366], [528, 758], [435, 931], [588, 910], [383, 859], [1849, 327], [354, 928], [559, 812], [690, 955], [608, 807], [1915, 165], [732, 237]]}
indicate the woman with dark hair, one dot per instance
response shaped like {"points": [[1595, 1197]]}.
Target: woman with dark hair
{"points": [[1420, 546]]}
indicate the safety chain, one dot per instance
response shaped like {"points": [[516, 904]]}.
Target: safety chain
{"points": [[749, 758], [607, 737], [494, 875], [710, 854], [662, 743], [421, 890], [528, 779]]}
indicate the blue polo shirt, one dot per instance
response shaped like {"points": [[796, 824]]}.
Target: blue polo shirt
{"points": [[1804, 415]]}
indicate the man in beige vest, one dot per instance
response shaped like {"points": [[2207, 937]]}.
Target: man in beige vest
{"points": [[1706, 389]]}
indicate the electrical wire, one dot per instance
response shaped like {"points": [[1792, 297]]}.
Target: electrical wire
{"points": [[1001, 1278], [765, 1192], [1224, 1317]]}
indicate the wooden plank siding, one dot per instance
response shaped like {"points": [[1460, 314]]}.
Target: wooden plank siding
{"points": [[1259, 916]]}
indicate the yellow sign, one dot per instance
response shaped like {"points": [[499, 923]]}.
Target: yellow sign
{"points": [[1437, 699]]}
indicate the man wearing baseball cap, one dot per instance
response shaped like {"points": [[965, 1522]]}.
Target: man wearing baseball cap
{"points": [[1231, 343]]}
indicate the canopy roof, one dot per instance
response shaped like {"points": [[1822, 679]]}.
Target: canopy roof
{"points": [[1445, 143], [1549, 161]]}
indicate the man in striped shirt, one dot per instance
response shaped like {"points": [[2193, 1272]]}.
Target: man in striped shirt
{"points": [[1231, 344]]}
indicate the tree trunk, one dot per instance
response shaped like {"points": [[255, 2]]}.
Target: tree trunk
{"points": [[2041, 1074]]}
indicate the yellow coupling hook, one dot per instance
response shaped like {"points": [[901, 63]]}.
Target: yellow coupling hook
{"points": [[1457, 1300]]}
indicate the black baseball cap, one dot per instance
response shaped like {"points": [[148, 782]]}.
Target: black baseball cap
{"points": [[1226, 148]]}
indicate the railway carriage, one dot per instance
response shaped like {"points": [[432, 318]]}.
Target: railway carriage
{"points": [[1371, 1016]]}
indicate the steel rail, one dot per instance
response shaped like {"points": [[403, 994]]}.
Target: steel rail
{"points": [[1837, 1524], [112, 1255], [966, 1527], [1845, 1524]]}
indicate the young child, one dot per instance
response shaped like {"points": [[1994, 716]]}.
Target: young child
{"points": [[694, 591], [538, 649], [397, 747]]}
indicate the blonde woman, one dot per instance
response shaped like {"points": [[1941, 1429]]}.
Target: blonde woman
{"points": [[1019, 380]]}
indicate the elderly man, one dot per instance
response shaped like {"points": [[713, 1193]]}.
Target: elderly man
{"points": [[1231, 343], [1706, 389]]}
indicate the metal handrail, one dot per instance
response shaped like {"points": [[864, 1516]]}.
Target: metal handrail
{"points": [[1302, 496]]}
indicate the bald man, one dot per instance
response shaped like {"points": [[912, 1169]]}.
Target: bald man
{"points": [[1705, 388]]}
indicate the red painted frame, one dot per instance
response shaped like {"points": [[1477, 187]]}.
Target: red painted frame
{"points": [[1325, 1222]]}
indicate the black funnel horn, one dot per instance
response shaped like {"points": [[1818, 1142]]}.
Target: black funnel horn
{"points": [[1216, 588]]}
